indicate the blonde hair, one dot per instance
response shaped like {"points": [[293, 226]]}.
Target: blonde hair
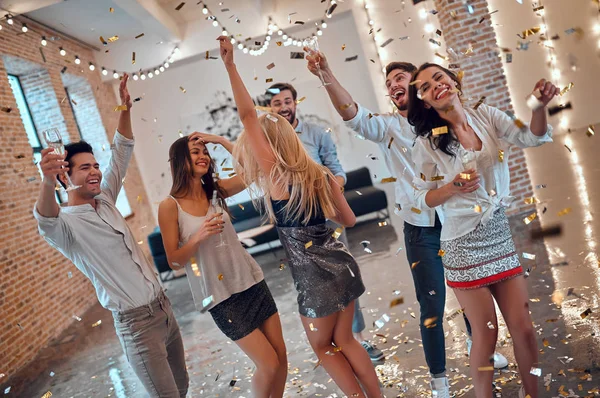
{"points": [[310, 190]]}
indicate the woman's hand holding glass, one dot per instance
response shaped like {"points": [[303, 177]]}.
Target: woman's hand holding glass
{"points": [[465, 182], [212, 225]]}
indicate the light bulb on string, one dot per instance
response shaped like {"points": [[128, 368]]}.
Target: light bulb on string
{"points": [[224, 32], [62, 51], [245, 50], [422, 13], [115, 74], [150, 75], [156, 72], [104, 71], [162, 69], [167, 64], [319, 32], [143, 76], [215, 23], [240, 46], [232, 40], [9, 19], [429, 28], [280, 32], [204, 9], [323, 24], [135, 77], [77, 60], [44, 42], [24, 28], [92, 67]]}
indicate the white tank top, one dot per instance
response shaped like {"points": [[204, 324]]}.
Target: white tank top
{"points": [[218, 271]]}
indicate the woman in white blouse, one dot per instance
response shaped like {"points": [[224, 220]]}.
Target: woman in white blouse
{"points": [[461, 160]]}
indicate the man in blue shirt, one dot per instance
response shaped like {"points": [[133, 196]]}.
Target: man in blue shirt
{"points": [[321, 148]]}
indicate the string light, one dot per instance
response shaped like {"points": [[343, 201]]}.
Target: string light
{"points": [[204, 9], [92, 67], [44, 42], [24, 28], [9, 19], [104, 71], [135, 77], [62, 51], [143, 76], [77, 60], [150, 75], [115, 74]]}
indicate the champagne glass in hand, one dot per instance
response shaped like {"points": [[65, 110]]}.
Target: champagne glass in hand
{"points": [[54, 140], [217, 206], [313, 49]]}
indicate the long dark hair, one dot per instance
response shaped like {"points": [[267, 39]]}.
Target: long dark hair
{"points": [[425, 119], [182, 172]]}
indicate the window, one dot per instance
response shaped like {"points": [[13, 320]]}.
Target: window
{"points": [[32, 135]]}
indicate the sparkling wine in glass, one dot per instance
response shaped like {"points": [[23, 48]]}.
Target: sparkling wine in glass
{"points": [[54, 140], [216, 207], [313, 49], [469, 161]]}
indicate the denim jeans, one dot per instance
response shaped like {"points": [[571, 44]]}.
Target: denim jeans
{"points": [[153, 346], [358, 322], [422, 246]]}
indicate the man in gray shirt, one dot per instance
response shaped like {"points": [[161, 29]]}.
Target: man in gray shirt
{"points": [[91, 232], [321, 148]]}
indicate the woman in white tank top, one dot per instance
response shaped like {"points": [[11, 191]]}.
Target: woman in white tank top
{"points": [[225, 280]]}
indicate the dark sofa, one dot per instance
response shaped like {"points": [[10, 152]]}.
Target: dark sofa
{"points": [[369, 200]]}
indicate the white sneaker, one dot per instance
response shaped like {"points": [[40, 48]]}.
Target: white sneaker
{"points": [[440, 387], [500, 361]]}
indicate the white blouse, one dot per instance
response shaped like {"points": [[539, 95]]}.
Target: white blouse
{"points": [[464, 211]]}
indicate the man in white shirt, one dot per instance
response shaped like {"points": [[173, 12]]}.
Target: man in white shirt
{"points": [[321, 148], [422, 228], [91, 232]]}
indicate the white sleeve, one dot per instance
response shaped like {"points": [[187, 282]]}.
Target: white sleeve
{"points": [[55, 230], [425, 169], [373, 128], [112, 179], [507, 130]]}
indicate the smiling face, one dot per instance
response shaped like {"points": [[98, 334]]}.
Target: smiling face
{"points": [[284, 105], [200, 158], [85, 172], [397, 85], [436, 88]]}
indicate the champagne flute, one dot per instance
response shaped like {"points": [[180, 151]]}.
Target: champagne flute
{"points": [[54, 140], [217, 207], [313, 48], [469, 161]]}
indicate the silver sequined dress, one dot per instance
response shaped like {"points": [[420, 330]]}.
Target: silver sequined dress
{"points": [[326, 276]]}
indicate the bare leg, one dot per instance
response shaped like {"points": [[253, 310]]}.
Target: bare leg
{"points": [[512, 298], [271, 328], [335, 363], [259, 350], [481, 312], [355, 353]]}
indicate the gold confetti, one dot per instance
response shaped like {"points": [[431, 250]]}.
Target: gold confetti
{"points": [[279, 43], [519, 123], [564, 211], [281, 266], [535, 300], [343, 47], [73, 101], [140, 242], [589, 132], [182, 89], [308, 244], [336, 234], [441, 253], [112, 39], [140, 35], [413, 265], [180, 6], [312, 327], [111, 9], [415, 210], [397, 301], [477, 209], [269, 80], [388, 179], [47, 395], [414, 82], [453, 14], [345, 106], [390, 143], [271, 66], [529, 32], [531, 201], [318, 364], [481, 100], [485, 368], [241, 206], [557, 297], [300, 100], [444, 57], [430, 322], [529, 218], [439, 130], [220, 277], [459, 75], [437, 178], [120, 108], [545, 342], [500, 155], [566, 89], [139, 198], [97, 323], [382, 223], [133, 58], [585, 313], [465, 176], [227, 169], [422, 176]]}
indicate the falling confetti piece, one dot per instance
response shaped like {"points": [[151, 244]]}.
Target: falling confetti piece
{"points": [[531, 201], [180, 6], [271, 66], [500, 155], [97, 323], [566, 89], [337, 232], [78, 319], [352, 58], [343, 47], [111, 9], [269, 80], [589, 132], [478, 104], [529, 256], [383, 223], [437, 178], [47, 395], [312, 328], [477, 209], [439, 130], [220, 277], [415, 210], [140, 35], [413, 265], [6, 390], [390, 143], [308, 244], [388, 179], [529, 32], [529, 218], [345, 106], [585, 313], [241, 206], [300, 100], [296, 55], [485, 368], [385, 43], [281, 266], [113, 39], [51, 374], [182, 89], [564, 211], [490, 325], [430, 322], [120, 108], [441, 253], [397, 301], [382, 321], [536, 372]]}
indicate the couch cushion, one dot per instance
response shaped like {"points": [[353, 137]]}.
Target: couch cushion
{"points": [[156, 244], [371, 199], [358, 178]]}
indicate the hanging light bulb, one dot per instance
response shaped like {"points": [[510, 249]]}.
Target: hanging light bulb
{"points": [[429, 28], [240, 46], [167, 64], [319, 32], [232, 40], [156, 72], [422, 13], [268, 38], [275, 27], [215, 23], [104, 71], [176, 51], [9, 19], [171, 59], [284, 37], [115, 74], [204, 9], [245, 50], [143, 76], [323, 24], [92, 67], [150, 75], [44, 42], [280, 32], [162, 69], [24, 28], [371, 22], [135, 77], [224, 32], [77, 60], [62, 51]]}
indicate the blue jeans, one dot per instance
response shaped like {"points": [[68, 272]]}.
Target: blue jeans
{"points": [[358, 322], [422, 246]]}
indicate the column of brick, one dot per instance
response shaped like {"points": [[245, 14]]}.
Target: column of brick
{"points": [[484, 75]]}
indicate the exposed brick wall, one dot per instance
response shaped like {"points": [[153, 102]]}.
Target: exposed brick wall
{"points": [[38, 298], [484, 75]]}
